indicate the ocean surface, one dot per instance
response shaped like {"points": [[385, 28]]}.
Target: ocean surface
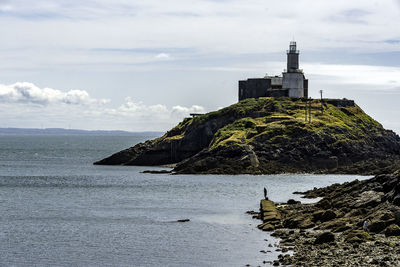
{"points": [[57, 209]]}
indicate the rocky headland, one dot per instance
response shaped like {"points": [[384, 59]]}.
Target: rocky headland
{"points": [[330, 232], [271, 135]]}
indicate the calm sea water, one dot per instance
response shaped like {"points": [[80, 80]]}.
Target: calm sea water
{"points": [[57, 209]]}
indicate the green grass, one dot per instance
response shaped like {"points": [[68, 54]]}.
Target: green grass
{"points": [[278, 120], [344, 124]]}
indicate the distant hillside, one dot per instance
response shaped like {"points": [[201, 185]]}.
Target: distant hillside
{"points": [[270, 135], [61, 131]]}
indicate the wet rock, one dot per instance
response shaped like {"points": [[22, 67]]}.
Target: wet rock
{"points": [[324, 204], [183, 220], [317, 215], [325, 237], [269, 213], [266, 227], [292, 223], [328, 215], [357, 236], [306, 224], [157, 171], [392, 230], [252, 212], [293, 202], [377, 226], [368, 199]]}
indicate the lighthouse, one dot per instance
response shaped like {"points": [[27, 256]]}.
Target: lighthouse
{"points": [[292, 58], [292, 83], [293, 77]]}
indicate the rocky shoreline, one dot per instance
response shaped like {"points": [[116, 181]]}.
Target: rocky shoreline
{"points": [[330, 232]]}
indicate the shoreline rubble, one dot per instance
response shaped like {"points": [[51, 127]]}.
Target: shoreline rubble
{"points": [[330, 231]]}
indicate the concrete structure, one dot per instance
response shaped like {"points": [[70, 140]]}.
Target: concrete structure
{"points": [[292, 83]]}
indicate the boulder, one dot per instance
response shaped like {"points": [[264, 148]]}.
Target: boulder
{"points": [[266, 227], [396, 200], [317, 215], [357, 236], [292, 202], [392, 230], [368, 199], [325, 237], [376, 226], [324, 204], [292, 223], [306, 224], [328, 215]]}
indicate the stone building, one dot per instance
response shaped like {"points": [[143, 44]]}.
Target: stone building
{"points": [[292, 83]]}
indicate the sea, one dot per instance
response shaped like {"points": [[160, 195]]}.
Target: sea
{"points": [[58, 209]]}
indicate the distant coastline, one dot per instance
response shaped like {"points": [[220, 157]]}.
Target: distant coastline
{"points": [[61, 131]]}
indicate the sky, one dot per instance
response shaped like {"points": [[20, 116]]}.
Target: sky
{"points": [[145, 65]]}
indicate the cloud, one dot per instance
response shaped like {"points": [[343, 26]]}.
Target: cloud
{"points": [[163, 56], [24, 104], [383, 76], [24, 92], [179, 111], [140, 110], [217, 26]]}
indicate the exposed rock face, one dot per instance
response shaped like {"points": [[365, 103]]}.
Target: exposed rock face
{"points": [[268, 135]]}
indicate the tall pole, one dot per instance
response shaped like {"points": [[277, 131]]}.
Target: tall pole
{"points": [[322, 106], [305, 109], [309, 110]]}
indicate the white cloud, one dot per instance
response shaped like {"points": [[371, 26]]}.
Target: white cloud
{"points": [[25, 105], [155, 112], [179, 111], [24, 92], [386, 77], [163, 56], [139, 109]]}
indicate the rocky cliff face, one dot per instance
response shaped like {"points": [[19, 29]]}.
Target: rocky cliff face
{"points": [[270, 135]]}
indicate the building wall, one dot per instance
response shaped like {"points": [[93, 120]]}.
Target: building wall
{"points": [[276, 81], [254, 88], [278, 93], [294, 82]]}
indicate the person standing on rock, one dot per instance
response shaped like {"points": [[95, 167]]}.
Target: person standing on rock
{"points": [[265, 194], [365, 225]]}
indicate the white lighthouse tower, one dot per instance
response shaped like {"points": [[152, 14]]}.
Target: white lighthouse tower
{"points": [[293, 78]]}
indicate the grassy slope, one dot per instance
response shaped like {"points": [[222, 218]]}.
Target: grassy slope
{"points": [[279, 119]]}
